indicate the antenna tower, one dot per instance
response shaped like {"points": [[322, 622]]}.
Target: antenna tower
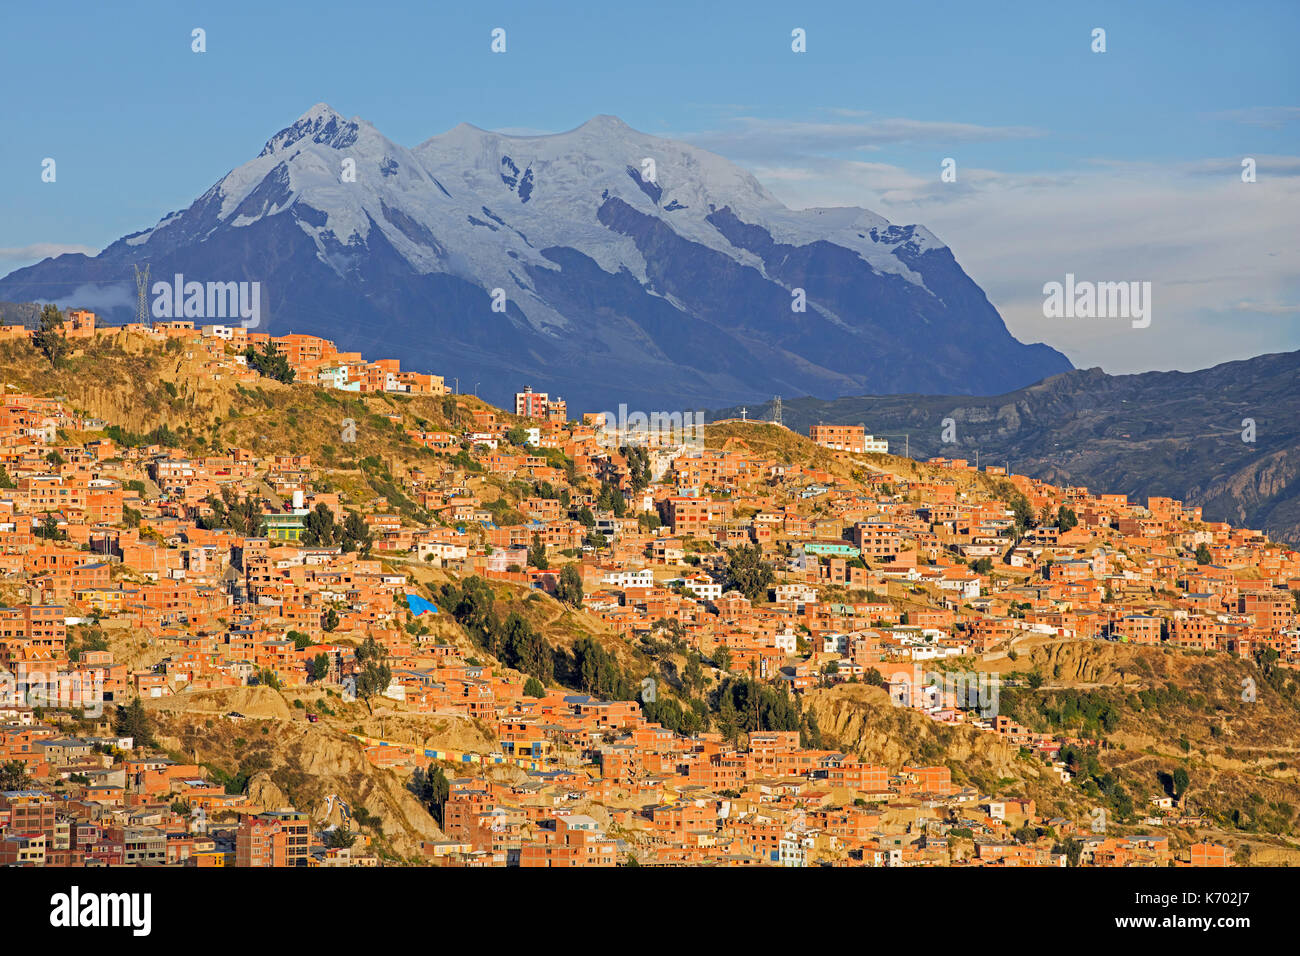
{"points": [[142, 295]]}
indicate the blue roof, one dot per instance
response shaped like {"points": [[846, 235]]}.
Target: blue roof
{"points": [[418, 605]]}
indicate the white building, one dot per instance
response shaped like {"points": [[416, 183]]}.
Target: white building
{"points": [[703, 586], [835, 644], [795, 594], [641, 577], [787, 642]]}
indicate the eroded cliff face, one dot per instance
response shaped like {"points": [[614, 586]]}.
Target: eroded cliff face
{"points": [[1077, 662], [130, 390], [862, 720], [298, 764]]}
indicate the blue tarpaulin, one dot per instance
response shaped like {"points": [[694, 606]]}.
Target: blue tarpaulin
{"points": [[419, 605]]}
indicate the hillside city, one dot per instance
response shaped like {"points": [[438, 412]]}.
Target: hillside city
{"points": [[556, 642]]}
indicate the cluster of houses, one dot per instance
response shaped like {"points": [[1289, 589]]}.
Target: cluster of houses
{"points": [[877, 578], [314, 360]]}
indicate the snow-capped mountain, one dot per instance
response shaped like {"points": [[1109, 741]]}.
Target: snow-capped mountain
{"points": [[602, 264]]}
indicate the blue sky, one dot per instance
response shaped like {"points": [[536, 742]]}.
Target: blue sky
{"points": [[1122, 165]]}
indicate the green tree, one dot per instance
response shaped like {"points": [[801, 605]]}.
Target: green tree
{"points": [[1203, 555], [523, 648], [518, 435], [331, 620], [728, 720], [13, 776], [748, 573], [269, 363], [596, 671], [1181, 780], [5, 480], [473, 606], [339, 839], [133, 721], [810, 734], [49, 338], [1073, 850], [50, 530], [357, 535], [537, 553], [319, 528], [375, 674], [318, 668], [757, 706], [243, 516], [1066, 519], [432, 789], [693, 674], [611, 498], [1023, 513], [533, 688], [568, 588], [638, 465]]}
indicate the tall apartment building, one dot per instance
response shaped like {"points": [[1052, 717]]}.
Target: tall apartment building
{"points": [[279, 838], [530, 404]]}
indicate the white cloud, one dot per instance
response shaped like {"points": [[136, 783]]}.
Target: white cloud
{"points": [[1220, 254], [37, 251], [102, 296], [1268, 117], [1268, 308], [747, 137]]}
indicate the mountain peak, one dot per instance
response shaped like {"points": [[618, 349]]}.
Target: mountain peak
{"points": [[321, 111], [605, 122], [322, 124]]}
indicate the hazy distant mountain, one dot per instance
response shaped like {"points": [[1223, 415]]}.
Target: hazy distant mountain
{"points": [[20, 313], [1158, 433], [670, 291]]}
